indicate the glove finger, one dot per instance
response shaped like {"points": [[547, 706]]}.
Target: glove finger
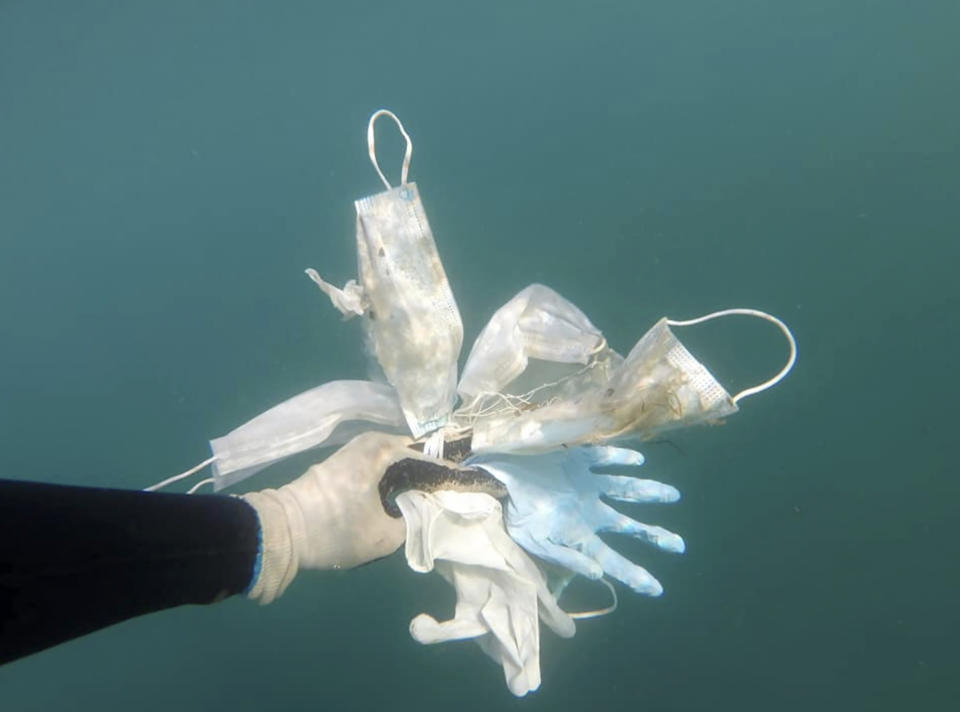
{"points": [[426, 629], [631, 489], [609, 456], [566, 557], [614, 521], [621, 568]]}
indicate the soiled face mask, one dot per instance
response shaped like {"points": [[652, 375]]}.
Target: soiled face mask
{"points": [[658, 386], [411, 319], [413, 328], [536, 349], [538, 335]]}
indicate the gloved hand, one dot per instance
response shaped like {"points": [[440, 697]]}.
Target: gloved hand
{"points": [[329, 518], [555, 509]]}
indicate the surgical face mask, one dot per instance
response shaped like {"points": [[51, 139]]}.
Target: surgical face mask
{"points": [[413, 328], [331, 414], [536, 349], [538, 334], [657, 387], [411, 319]]}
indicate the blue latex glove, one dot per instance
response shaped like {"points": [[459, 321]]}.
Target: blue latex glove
{"points": [[555, 510]]}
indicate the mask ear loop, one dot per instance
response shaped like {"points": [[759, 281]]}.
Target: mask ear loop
{"points": [[182, 476], [596, 613], [761, 315], [371, 145]]}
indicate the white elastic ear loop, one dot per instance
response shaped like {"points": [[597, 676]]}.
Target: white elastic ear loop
{"points": [[762, 315], [597, 612], [181, 476], [371, 144]]}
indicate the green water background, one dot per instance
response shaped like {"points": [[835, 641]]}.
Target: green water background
{"points": [[168, 169]]}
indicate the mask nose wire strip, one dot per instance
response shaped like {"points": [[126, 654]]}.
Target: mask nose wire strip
{"points": [[760, 315], [372, 146], [182, 475]]}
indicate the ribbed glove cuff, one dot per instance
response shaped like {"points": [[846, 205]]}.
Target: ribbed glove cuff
{"points": [[279, 560]]}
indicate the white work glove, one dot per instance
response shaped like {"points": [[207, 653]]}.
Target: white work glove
{"points": [[329, 518]]}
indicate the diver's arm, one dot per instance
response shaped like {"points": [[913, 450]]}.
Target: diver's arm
{"points": [[77, 559]]}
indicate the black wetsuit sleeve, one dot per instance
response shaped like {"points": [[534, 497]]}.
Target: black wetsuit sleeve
{"points": [[76, 559]]}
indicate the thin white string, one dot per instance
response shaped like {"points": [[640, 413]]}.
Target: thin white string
{"points": [[200, 484], [372, 146], [596, 613], [493, 403], [761, 315], [433, 444], [182, 475]]}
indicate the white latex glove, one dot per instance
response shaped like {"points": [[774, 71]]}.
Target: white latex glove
{"points": [[329, 518], [500, 591]]}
